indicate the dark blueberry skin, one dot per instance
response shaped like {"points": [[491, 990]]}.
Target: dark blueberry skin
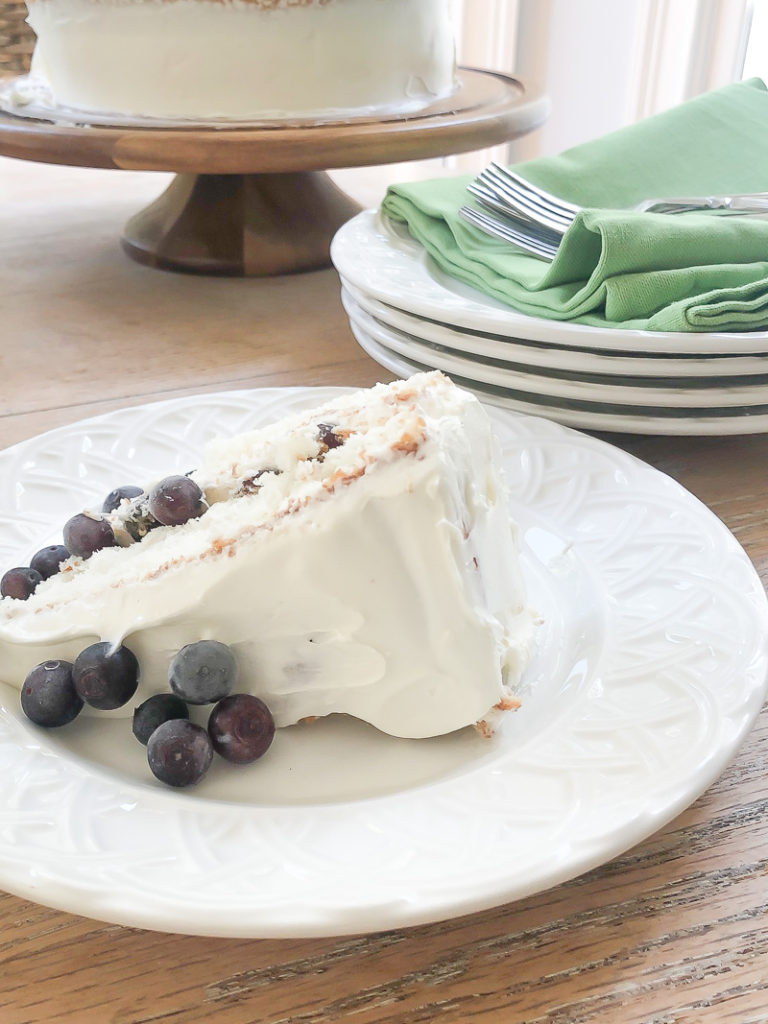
{"points": [[241, 728], [179, 752], [48, 696], [115, 498], [47, 561], [163, 707], [327, 435], [20, 583], [106, 677], [203, 673], [176, 500], [84, 534]]}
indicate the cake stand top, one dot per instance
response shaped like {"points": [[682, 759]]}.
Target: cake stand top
{"points": [[487, 108]]}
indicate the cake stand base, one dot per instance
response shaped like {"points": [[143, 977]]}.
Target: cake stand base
{"points": [[254, 200], [254, 225]]}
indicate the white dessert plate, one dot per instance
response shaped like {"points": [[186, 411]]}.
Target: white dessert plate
{"points": [[649, 670], [563, 360], [381, 259], [673, 393], [584, 415]]}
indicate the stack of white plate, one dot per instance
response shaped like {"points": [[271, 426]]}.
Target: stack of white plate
{"points": [[410, 316]]}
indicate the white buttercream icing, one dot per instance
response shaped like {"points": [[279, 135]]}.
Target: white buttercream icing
{"points": [[380, 580], [244, 59]]}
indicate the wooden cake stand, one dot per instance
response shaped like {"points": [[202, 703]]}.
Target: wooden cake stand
{"points": [[255, 200]]}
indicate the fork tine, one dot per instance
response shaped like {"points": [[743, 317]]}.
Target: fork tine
{"points": [[551, 201], [491, 200], [522, 224], [519, 205], [491, 197], [522, 200], [536, 246], [499, 231]]}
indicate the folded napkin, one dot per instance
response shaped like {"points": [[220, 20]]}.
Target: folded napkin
{"points": [[617, 268]]}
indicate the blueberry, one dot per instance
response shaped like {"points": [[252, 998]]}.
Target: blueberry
{"points": [[115, 498], [176, 500], [203, 673], [241, 728], [179, 752], [163, 707], [106, 676], [48, 696], [47, 561], [327, 435], [84, 534], [20, 583]]}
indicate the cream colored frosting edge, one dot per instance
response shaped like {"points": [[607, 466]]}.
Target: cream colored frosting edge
{"points": [[205, 60]]}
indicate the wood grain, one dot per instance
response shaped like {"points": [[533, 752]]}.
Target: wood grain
{"points": [[255, 201], [240, 225], [672, 932], [487, 108]]}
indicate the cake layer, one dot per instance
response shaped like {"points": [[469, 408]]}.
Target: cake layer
{"points": [[359, 559], [244, 59]]}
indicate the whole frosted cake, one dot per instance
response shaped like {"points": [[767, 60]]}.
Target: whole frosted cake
{"points": [[242, 60], [358, 558]]}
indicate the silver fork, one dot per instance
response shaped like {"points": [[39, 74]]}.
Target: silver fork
{"points": [[508, 193], [540, 219], [537, 243], [522, 198]]}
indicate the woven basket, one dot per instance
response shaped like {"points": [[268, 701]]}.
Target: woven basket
{"points": [[17, 40]]}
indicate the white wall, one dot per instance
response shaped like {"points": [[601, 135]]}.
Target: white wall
{"points": [[583, 53], [756, 57], [606, 63]]}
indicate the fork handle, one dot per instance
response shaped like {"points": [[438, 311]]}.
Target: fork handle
{"points": [[754, 202]]}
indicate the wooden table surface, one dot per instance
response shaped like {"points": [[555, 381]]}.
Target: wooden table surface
{"points": [[672, 931]]}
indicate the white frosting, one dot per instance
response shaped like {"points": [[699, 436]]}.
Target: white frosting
{"points": [[381, 581], [241, 59]]}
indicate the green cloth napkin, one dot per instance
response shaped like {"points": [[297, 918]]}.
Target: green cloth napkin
{"points": [[617, 268]]}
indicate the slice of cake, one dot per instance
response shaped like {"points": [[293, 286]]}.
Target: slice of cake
{"points": [[243, 60], [358, 558]]}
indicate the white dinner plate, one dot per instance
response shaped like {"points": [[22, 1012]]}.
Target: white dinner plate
{"points": [[602, 416], [384, 261], [650, 668], [622, 391], [563, 360]]}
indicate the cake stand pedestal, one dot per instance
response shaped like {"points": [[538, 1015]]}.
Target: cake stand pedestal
{"points": [[255, 200], [240, 224]]}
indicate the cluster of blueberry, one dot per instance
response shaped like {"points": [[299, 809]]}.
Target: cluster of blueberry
{"points": [[240, 726], [173, 501]]}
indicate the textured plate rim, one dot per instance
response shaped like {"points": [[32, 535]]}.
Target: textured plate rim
{"points": [[558, 359], [611, 419], [618, 392]]}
